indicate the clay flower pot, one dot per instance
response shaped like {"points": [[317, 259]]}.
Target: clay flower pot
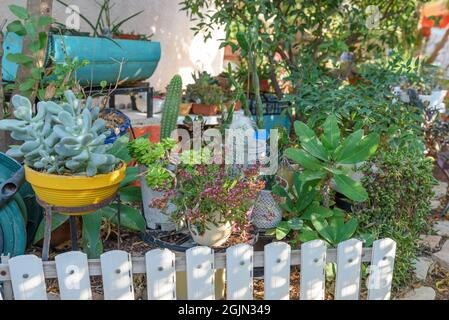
{"points": [[215, 235], [184, 108], [205, 109]]}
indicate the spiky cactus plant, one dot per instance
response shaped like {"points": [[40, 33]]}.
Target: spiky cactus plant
{"points": [[171, 107]]}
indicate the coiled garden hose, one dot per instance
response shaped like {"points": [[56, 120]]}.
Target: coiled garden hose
{"points": [[10, 187]]}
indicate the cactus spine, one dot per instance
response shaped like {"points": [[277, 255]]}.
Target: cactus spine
{"points": [[171, 107]]}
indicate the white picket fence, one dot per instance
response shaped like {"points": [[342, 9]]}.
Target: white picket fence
{"points": [[26, 274]]}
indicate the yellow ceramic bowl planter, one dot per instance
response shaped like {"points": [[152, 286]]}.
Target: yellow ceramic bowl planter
{"points": [[74, 191]]}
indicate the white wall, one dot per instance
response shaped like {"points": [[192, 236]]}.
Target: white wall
{"points": [[182, 52]]}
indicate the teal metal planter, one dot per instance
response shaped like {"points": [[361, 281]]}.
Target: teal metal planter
{"points": [[133, 60]]}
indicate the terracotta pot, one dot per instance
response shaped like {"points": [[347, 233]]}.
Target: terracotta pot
{"points": [[237, 106], [127, 36], [184, 108], [205, 109], [214, 235], [264, 85]]}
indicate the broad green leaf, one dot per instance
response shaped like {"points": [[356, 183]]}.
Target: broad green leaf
{"points": [[282, 230], [331, 132], [307, 175], [348, 145], [57, 221], [44, 21], [19, 58], [243, 42], [322, 227], [131, 194], [130, 218], [303, 158], [17, 28], [320, 212], [119, 149], [364, 149], [132, 173], [92, 244], [350, 188], [309, 141], [19, 12], [348, 229], [305, 192], [278, 190], [307, 234], [295, 223]]}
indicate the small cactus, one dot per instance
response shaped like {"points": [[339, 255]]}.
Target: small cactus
{"points": [[171, 107]]}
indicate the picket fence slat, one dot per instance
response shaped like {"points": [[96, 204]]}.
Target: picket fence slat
{"points": [[116, 268], [277, 271], [313, 262], [381, 269], [26, 274], [73, 276], [239, 272], [349, 264], [200, 273], [27, 277], [161, 274]]}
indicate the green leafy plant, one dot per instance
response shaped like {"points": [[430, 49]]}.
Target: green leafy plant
{"points": [[204, 90], [130, 218], [310, 204], [105, 25], [399, 185], [211, 193], [66, 138], [29, 26], [155, 157]]}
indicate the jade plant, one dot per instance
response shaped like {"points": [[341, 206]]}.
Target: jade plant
{"points": [[155, 158], [311, 202], [66, 138]]}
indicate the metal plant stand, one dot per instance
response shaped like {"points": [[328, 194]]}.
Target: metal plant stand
{"points": [[49, 209], [127, 89]]}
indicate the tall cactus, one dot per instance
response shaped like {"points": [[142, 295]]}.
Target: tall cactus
{"points": [[171, 107]]}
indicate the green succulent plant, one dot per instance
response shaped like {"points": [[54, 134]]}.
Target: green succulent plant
{"points": [[205, 90], [66, 138], [154, 156]]}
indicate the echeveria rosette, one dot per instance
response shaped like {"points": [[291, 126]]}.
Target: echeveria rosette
{"points": [[66, 138]]}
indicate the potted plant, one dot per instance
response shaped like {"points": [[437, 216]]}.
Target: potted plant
{"points": [[213, 200], [66, 159], [205, 94]]}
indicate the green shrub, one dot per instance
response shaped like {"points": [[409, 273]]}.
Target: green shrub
{"points": [[399, 185]]}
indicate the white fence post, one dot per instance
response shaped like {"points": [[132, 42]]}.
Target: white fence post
{"points": [[381, 269], [7, 286], [200, 273], [313, 262], [27, 277], [161, 274], [277, 271], [239, 272], [349, 264], [116, 269], [73, 276]]}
